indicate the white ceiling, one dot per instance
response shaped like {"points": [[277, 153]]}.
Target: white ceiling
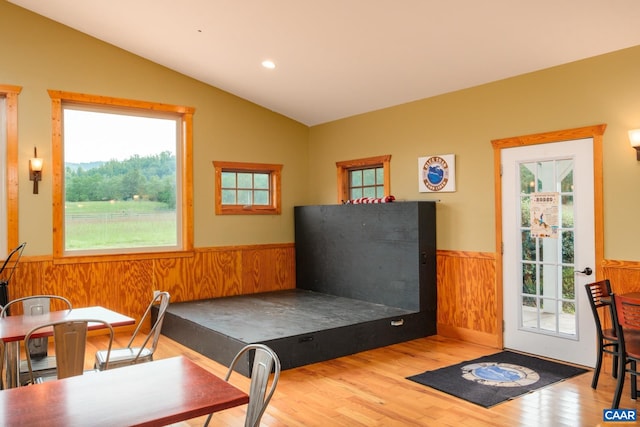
{"points": [[338, 58]]}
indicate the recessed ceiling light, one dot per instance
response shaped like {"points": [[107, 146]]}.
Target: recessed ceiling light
{"points": [[267, 63]]}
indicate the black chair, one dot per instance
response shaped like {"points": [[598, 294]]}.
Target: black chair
{"points": [[608, 342], [627, 317]]}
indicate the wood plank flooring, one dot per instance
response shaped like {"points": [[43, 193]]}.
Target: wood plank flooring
{"points": [[370, 389]]}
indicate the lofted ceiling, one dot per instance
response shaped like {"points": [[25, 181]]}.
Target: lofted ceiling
{"points": [[339, 58]]}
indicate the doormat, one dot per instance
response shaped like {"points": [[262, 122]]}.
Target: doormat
{"points": [[493, 379]]}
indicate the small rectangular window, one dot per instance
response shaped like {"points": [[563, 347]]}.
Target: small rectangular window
{"points": [[366, 183], [247, 188], [368, 177]]}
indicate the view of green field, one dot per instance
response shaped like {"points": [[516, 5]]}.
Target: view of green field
{"points": [[117, 224]]}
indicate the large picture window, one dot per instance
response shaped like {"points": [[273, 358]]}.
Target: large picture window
{"points": [[122, 180]]}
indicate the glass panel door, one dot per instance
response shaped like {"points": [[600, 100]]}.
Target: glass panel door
{"points": [[548, 232], [547, 295]]}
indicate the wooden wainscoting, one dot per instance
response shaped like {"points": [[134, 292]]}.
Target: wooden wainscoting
{"points": [[467, 295], [624, 275], [468, 298], [127, 286]]}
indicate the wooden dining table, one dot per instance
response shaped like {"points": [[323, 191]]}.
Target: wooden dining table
{"points": [[13, 329], [147, 394]]}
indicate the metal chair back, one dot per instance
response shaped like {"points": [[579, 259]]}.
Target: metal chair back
{"points": [[35, 305], [70, 340], [144, 353], [163, 299], [265, 361]]}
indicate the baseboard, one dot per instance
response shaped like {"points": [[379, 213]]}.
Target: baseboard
{"points": [[470, 336]]}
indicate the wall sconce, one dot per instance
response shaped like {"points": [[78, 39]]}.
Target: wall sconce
{"points": [[634, 139], [35, 170]]}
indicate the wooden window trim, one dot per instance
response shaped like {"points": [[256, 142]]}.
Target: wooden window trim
{"points": [[11, 93], [344, 167], [186, 170], [275, 175]]}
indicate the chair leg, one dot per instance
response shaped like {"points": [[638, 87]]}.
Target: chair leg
{"points": [[619, 385], [596, 371], [206, 423], [634, 382], [615, 362]]}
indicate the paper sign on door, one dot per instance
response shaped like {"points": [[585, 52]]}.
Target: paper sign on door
{"points": [[544, 215]]}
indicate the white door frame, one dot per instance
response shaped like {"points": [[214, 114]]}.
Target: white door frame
{"points": [[594, 132], [544, 329]]}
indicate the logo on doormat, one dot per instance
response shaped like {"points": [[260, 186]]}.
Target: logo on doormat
{"points": [[499, 374]]}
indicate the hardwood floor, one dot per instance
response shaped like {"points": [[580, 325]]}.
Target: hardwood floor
{"points": [[370, 389]]}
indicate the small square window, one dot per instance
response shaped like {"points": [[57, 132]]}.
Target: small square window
{"points": [[247, 188], [364, 178]]}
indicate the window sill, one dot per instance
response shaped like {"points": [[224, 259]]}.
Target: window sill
{"points": [[78, 259], [247, 210]]}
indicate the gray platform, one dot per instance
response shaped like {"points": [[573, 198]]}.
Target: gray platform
{"points": [[274, 315], [365, 277], [301, 326]]}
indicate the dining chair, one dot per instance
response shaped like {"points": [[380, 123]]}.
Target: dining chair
{"points": [[627, 318], [36, 304], [265, 361], [601, 306], [69, 340], [37, 348], [131, 354]]}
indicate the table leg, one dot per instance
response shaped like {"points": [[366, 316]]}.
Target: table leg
{"points": [[12, 352]]}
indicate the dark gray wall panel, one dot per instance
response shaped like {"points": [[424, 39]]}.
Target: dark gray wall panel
{"points": [[382, 253]]}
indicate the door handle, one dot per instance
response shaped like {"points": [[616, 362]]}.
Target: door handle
{"points": [[587, 271]]}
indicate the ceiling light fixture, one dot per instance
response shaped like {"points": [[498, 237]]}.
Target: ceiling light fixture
{"points": [[269, 64]]}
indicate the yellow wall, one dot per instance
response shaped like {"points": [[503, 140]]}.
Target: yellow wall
{"points": [[38, 54], [603, 89]]}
